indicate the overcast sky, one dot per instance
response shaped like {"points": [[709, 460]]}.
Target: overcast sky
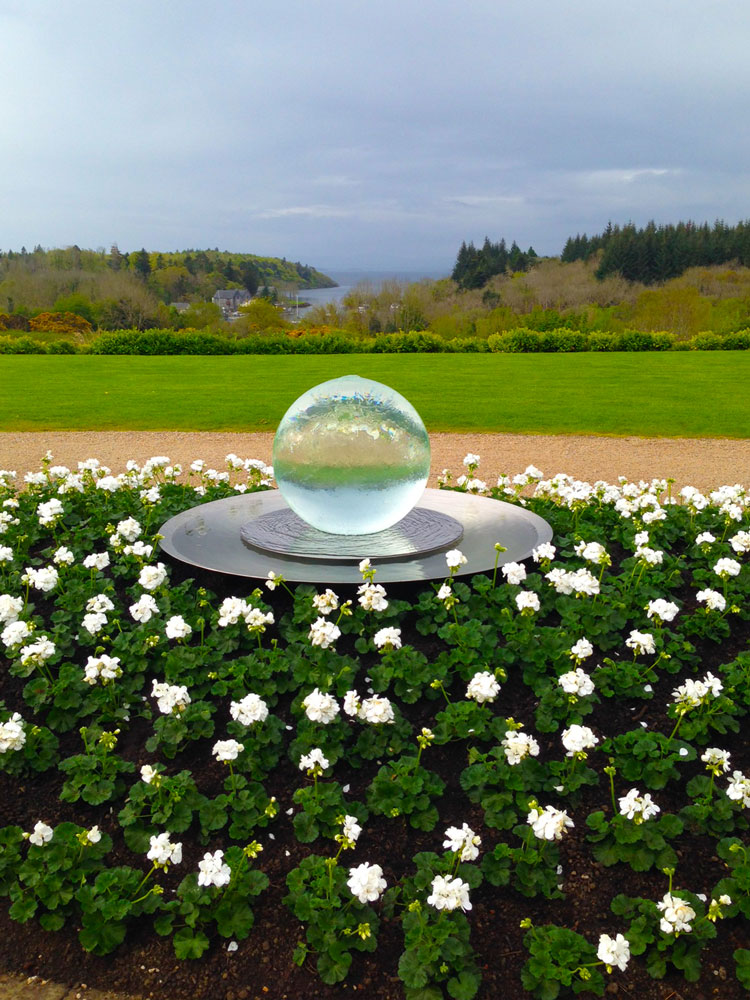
{"points": [[367, 133]]}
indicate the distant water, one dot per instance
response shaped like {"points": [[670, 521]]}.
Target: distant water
{"points": [[348, 280]]}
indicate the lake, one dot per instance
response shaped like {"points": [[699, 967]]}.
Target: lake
{"points": [[347, 280]]}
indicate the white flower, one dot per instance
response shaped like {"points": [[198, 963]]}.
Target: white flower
{"points": [[99, 603], [738, 788], [449, 893], [104, 668], [583, 583], [577, 739], [50, 511], [740, 542], [351, 703], [41, 835], [316, 758], [148, 773], [372, 597], [544, 552], [97, 560], [677, 914], [462, 841], [37, 652], [323, 633], [693, 693], [727, 567], [377, 711], [471, 459], [444, 593], [593, 552], [365, 566], [94, 835], [44, 579], [94, 622], [170, 697], [226, 750], [231, 610], [12, 733], [705, 538], [455, 560], [256, 620], [366, 882], [10, 608], [637, 807], [351, 828], [177, 628], [662, 610], [519, 745], [388, 638], [514, 572], [652, 557], [14, 633], [581, 649], [641, 642], [716, 759], [138, 549], [549, 823], [213, 871], [576, 682], [144, 608], [163, 852], [713, 600], [152, 577], [129, 529], [320, 707], [527, 602], [483, 687], [6, 554], [251, 709], [614, 951], [326, 602]]}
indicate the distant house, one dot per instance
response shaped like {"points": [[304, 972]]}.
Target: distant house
{"points": [[181, 307], [230, 299]]}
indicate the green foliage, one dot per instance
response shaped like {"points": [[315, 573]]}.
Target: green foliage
{"points": [[559, 957]]}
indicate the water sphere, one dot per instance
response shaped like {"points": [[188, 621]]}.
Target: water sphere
{"points": [[351, 456]]}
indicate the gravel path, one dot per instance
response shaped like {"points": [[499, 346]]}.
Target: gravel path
{"points": [[701, 462]]}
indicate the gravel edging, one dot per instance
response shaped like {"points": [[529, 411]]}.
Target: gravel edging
{"points": [[701, 462]]}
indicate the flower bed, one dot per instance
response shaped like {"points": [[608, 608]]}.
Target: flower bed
{"points": [[531, 782]]}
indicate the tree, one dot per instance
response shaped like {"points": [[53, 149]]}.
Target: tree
{"points": [[140, 263]]}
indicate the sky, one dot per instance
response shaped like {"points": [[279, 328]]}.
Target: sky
{"points": [[367, 134]]}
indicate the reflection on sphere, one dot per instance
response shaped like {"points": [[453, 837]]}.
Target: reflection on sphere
{"points": [[351, 456]]}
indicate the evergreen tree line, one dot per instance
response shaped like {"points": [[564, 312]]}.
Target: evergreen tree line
{"points": [[658, 253], [474, 267]]}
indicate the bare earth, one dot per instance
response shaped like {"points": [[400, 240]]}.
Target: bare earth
{"points": [[701, 462]]}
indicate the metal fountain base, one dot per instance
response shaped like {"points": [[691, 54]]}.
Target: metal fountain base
{"points": [[252, 533]]}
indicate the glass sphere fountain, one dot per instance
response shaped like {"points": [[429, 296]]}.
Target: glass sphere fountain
{"points": [[351, 456]]}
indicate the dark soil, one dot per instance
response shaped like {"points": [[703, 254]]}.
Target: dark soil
{"points": [[262, 967]]}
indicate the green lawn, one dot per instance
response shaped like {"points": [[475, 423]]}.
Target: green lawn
{"points": [[650, 394]]}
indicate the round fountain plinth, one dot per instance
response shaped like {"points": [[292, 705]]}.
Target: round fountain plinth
{"points": [[210, 536]]}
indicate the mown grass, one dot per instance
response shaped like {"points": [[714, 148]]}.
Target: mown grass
{"points": [[672, 395]]}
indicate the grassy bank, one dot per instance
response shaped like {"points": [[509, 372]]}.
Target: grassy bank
{"points": [[673, 395]]}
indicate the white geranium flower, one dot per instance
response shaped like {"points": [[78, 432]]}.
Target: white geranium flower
{"points": [[662, 610], [12, 733], [97, 560], [713, 600], [38, 652], [320, 707], [614, 951], [455, 560], [15, 633], [725, 568], [641, 642], [226, 750], [149, 773], [45, 579], [544, 553], [581, 650], [177, 628], [483, 687], [231, 610], [577, 739], [249, 710], [462, 841], [152, 577], [388, 638], [449, 893], [326, 602], [10, 609], [323, 633], [170, 697], [519, 745], [163, 852], [6, 554], [549, 823], [94, 622], [637, 807], [514, 572], [102, 668], [129, 529], [213, 871], [527, 602], [738, 788], [593, 552], [366, 882], [471, 460], [377, 711], [741, 542], [716, 759], [372, 597], [351, 703], [50, 511], [705, 538], [314, 759], [41, 835], [576, 682], [676, 914], [144, 609], [351, 829]]}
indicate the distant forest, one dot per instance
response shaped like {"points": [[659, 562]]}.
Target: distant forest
{"points": [[114, 289], [649, 255]]}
